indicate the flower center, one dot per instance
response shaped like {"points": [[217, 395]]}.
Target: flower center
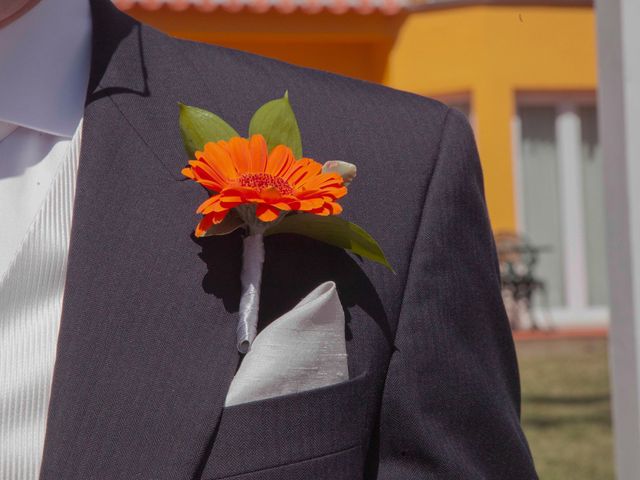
{"points": [[264, 181]]}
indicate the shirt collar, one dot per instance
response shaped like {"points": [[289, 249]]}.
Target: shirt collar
{"points": [[45, 57]]}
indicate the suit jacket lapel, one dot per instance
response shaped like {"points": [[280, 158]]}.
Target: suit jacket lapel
{"points": [[146, 346]]}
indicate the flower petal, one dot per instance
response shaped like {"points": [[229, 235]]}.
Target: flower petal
{"points": [[310, 169], [281, 206], [238, 148], [219, 159], [324, 180], [208, 220], [267, 213], [188, 172], [203, 171], [209, 204], [335, 208], [246, 194], [280, 161], [258, 153], [310, 204], [271, 193], [204, 225]]}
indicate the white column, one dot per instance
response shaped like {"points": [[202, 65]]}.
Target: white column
{"points": [[619, 123], [569, 158], [516, 154]]}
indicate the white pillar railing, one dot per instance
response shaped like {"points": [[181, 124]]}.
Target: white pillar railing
{"points": [[619, 124]]}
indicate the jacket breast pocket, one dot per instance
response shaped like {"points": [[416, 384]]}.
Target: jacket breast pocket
{"points": [[314, 434]]}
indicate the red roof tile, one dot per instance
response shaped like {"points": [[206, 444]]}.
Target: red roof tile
{"points": [[387, 7]]}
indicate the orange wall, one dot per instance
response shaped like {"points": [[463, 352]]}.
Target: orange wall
{"points": [[492, 53], [350, 44]]}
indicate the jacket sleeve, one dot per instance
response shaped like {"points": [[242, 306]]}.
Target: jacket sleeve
{"points": [[451, 402]]}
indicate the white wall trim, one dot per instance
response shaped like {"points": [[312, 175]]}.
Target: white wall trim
{"points": [[575, 97], [566, 317]]}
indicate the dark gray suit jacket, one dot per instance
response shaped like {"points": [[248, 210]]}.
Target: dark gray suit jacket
{"points": [[146, 349]]}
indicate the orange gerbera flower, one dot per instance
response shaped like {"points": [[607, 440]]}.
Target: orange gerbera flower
{"points": [[241, 171]]}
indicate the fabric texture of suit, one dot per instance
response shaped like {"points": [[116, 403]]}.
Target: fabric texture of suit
{"points": [[146, 350]]}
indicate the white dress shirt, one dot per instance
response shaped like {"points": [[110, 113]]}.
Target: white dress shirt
{"points": [[44, 71]]}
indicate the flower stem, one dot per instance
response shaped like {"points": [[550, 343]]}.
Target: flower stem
{"points": [[250, 277]]}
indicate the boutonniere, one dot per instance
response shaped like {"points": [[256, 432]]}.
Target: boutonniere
{"points": [[265, 186]]}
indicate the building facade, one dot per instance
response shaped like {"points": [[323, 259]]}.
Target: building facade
{"points": [[523, 71]]}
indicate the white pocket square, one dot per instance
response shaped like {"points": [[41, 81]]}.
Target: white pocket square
{"points": [[303, 349]]}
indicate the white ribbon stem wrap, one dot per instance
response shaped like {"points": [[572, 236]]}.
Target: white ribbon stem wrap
{"points": [[251, 278]]}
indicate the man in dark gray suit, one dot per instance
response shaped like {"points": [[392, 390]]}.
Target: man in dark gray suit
{"points": [[146, 349]]}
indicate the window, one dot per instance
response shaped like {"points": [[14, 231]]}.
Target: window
{"points": [[561, 200], [542, 218], [593, 199], [460, 101]]}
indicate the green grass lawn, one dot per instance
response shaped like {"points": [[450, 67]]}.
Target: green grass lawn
{"points": [[566, 408]]}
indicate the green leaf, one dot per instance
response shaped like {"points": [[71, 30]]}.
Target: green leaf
{"points": [[199, 126], [277, 123], [334, 231], [230, 224]]}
